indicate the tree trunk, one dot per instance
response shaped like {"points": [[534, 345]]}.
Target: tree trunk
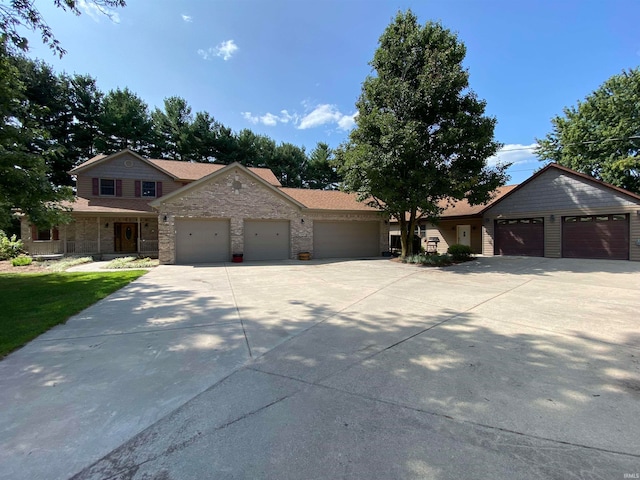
{"points": [[406, 234]]}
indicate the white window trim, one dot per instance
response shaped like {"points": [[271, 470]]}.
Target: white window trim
{"points": [[100, 187]]}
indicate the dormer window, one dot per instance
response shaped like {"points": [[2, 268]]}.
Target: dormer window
{"points": [[107, 187]]}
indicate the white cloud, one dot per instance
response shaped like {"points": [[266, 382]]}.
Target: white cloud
{"points": [[514, 153], [96, 12], [187, 18], [225, 50], [318, 116], [326, 113], [270, 119]]}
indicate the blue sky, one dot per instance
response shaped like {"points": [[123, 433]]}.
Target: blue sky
{"points": [[292, 69]]}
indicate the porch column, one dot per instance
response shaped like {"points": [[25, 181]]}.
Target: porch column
{"points": [[139, 234], [98, 222], [64, 241]]}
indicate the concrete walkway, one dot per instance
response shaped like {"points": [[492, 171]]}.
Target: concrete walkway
{"points": [[500, 368]]}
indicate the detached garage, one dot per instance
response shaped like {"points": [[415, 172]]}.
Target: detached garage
{"points": [[562, 213]]}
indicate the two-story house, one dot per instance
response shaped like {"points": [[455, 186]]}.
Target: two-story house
{"points": [[201, 212]]}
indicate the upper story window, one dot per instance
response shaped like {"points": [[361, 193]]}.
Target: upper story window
{"points": [[148, 189], [107, 187]]}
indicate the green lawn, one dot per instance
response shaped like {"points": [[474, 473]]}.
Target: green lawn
{"points": [[31, 304]]}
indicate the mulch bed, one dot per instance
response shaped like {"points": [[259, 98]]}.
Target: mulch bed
{"points": [[35, 267]]}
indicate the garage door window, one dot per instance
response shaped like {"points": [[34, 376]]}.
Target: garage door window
{"points": [[521, 221]]}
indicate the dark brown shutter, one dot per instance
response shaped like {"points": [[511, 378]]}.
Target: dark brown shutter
{"points": [[55, 234], [96, 186], [138, 188], [34, 232], [118, 188], [158, 189]]}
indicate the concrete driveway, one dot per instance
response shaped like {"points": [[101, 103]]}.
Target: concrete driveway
{"points": [[499, 368]]}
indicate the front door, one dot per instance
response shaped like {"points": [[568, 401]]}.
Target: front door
{"points": [[464, 235], [126, 237]]}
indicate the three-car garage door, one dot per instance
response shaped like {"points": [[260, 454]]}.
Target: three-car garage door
{"points": [[202, 240], [596, 236], [521, 236], [346, 239]]}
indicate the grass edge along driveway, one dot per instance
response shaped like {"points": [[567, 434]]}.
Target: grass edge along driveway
{"points": [[31, 304]]}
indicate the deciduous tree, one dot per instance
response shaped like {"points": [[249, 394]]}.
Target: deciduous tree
{"points": [[421, 135]]}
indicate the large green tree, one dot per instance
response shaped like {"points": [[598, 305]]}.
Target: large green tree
{"points": [[321, 172], [601, 135], [25, 182], [421, 134], [125, 123]]}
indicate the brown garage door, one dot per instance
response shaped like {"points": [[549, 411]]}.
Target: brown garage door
{"points": [[266, 240], [346, 239], [202, 240], [520, 236], [596, 236]]}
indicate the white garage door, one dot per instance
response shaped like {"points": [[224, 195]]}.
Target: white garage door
{"points": [[346, 239], [202, 241], [266, 240]]}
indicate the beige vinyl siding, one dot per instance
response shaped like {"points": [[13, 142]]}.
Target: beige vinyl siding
{"points": [[557, 190], [553, 228], [117, 169], [634, 234], [447, 232]]}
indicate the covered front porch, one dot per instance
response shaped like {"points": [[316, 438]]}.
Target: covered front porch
{"points": [[97, 235]]}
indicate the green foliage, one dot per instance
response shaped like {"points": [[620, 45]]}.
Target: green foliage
{"points": [[124, 123], [437, 260], [59, 296], [321, 171], [10, 247], [21, 261], [20, 14], [431, 260], [460, 253], [601, 135], [25, 176], [421, 133]]}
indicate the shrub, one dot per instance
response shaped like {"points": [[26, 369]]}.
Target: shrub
{"points": [[460, 253], [21, 261], [9, 247], [437, 260]]}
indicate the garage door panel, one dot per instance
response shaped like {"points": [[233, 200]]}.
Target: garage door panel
{"points": [[202, 241], [266, 240], [596, 236], [524, 236], [346, 239]]}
